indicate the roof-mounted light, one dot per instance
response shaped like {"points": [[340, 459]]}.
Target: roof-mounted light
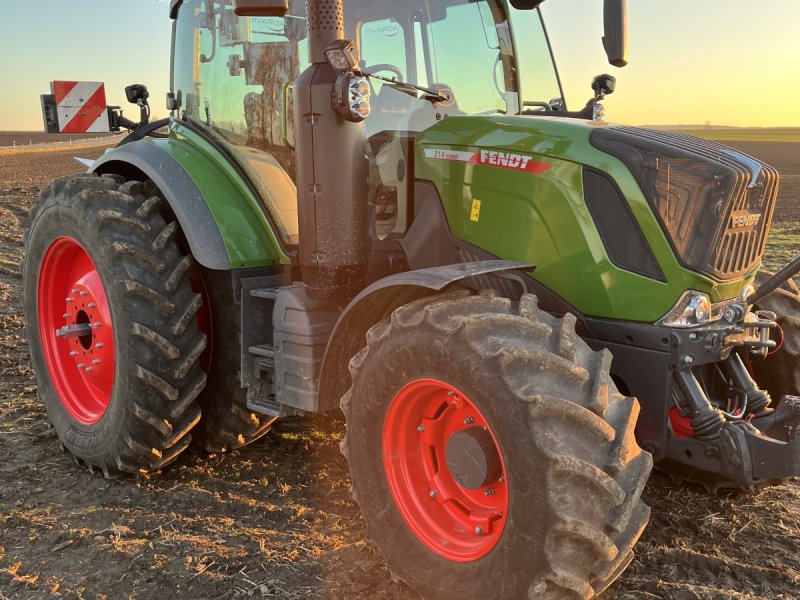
{"points": [[342, 55]]}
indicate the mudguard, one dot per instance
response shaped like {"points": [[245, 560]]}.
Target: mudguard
{"points": [[377, 302], [222, 218]]}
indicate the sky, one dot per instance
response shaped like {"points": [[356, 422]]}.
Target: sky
{"points": [[723, 62]]}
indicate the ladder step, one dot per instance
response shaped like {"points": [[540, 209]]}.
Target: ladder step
{"points": [[266, 406], [263, 350], [267, 293]]}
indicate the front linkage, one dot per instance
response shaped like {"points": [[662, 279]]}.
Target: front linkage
{"points": [[722, 430]]}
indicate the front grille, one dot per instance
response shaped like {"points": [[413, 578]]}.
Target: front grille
{"points": [[714, 203]]}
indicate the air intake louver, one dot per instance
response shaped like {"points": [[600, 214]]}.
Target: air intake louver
{"points": [[714, 203]]}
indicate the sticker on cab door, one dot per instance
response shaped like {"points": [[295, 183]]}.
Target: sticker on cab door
{"points": [[492, 158]]}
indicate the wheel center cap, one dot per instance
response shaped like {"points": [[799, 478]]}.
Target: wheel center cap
{"points": [[472, 458]]}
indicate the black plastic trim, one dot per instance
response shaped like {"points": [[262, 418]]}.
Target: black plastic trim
{"points": [[620, 232]]}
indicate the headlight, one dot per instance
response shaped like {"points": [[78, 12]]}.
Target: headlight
{"points": [[693, 308], [351, 99]]}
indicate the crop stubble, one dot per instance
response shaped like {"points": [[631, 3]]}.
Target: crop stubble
{"points": [[275, 519]]}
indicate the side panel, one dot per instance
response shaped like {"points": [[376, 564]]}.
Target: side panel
{"points": [[224, 222], [514, 187]]}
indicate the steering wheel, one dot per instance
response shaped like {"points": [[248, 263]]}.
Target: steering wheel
{"points": [[384, 67]]}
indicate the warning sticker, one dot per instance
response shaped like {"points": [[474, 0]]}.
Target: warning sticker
{"points": [[475, 213], [494, 158]]}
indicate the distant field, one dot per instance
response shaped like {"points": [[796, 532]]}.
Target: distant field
{"points": [[755, 134], [27, 138]]}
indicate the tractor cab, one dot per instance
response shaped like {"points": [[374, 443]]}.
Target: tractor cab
{"points": [[233, 76]]}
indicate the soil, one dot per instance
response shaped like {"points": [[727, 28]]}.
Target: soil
{"points": [[275, 519]]}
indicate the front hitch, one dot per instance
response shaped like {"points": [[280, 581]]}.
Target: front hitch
{"points": [[742, 454]]}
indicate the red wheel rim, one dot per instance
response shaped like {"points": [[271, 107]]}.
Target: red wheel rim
{"points": [[76, 330], [456, 523]]}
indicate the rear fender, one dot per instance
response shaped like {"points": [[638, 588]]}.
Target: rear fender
{"points": [[224, 226], [377, 302]]}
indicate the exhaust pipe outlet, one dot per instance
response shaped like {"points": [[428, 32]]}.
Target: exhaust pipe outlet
{"points": [[332, 170]]}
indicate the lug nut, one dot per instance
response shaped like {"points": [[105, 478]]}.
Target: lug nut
{"points": [[478, 530], [489, 492], [451, 393], [92, 305], [74, 290], [73, 354], [98, 345], [96, 361], [67, 299], [433, 493], [469, 421], [88, 369], [501, 479], [420, 427], [81, 365], [96, 325], [65, 315], [83, 293]]}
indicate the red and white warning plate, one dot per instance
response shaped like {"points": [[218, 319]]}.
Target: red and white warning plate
{"points": [[81, 106]]}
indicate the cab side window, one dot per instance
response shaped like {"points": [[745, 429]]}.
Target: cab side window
{"points": [[232, 77]]}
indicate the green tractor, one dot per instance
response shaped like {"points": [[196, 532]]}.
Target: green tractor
{"points": [[387, 207]]}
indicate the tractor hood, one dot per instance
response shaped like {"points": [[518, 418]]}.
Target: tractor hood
{"points": [[606, 212]]}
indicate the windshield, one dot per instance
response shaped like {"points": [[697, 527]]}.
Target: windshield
{"points": [[535, 64]]}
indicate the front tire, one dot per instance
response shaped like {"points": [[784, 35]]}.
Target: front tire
{"points": [[451, 381], [779, 373], [103, 268]]}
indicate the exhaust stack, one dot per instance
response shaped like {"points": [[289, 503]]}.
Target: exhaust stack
{"points": [[332, 170]]}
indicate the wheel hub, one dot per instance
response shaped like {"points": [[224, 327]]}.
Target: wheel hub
{"points": [[76, 330], [472, 458]]}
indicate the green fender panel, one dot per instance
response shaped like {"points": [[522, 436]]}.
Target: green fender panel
{"points": [[225, 224]]}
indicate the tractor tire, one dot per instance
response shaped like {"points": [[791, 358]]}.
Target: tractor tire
{"points": [[779, 373], [121, 378], [227, 423], [490, 452]]}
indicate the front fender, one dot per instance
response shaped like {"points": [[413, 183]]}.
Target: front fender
{"points": [[378, 301]]}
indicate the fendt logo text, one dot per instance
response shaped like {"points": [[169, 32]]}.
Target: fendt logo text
{"points": [[504, 159], [743, 219]]}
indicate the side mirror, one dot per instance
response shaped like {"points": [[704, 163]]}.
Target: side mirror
{"points": [[261, 8], [615, 35]]}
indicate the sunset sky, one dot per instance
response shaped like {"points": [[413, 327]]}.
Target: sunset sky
{"points": [[727, 62]]}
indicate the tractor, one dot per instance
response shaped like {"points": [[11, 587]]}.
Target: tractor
{"points": [[387, 207]]}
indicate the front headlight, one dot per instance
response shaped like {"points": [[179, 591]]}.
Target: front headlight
{"points": [[693, 308]]}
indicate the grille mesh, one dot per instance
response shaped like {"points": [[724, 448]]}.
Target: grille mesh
{"points": [[714, 203]]}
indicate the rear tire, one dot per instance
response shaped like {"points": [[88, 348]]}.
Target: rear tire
{"points": [[123, 397], [564, 509], [227, 423], [779, 373]]}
